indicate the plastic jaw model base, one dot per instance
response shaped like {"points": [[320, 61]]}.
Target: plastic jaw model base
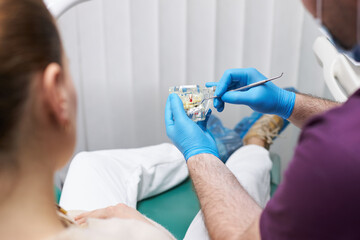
{"points": [[192, 96]]}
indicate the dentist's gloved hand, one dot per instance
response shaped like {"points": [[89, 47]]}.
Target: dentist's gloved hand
{"points": [[189, 137], [266, 98]]}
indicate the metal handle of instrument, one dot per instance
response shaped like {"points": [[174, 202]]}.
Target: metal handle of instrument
{"points": [[247, 86]]}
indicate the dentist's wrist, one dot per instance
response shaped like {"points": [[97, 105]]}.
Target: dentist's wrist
{"points": [[287, 100], [201, 157], [197, 152]]}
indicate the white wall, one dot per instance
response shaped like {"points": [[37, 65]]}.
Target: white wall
{"points": [[124, 55]]}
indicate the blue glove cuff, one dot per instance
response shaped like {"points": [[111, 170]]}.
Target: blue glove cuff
{"points": [[190, 153], [287, 99]]}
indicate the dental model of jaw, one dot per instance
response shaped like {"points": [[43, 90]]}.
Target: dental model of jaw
{"points": [[192, 97]]}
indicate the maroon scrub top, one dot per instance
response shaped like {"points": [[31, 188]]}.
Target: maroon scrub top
{"points": [[320, 195]]}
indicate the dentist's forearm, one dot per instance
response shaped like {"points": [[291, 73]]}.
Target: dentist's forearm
{"points": [[229, 211], [307, 106]]}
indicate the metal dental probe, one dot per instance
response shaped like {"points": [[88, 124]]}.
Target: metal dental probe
{"points": [[247, 86]]}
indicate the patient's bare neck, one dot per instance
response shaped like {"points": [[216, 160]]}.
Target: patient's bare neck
{"points": [[27, 208]]}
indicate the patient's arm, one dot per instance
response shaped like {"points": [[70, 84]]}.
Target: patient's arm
{"points": [[118, 211], [229, 211], [307, 106]]}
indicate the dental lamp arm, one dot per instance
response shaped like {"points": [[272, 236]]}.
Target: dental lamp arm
{"points": [[59, 7], [307, 106], [229, 211]]}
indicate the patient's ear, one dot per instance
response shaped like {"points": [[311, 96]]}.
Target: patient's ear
{"points": [[55, 95]]}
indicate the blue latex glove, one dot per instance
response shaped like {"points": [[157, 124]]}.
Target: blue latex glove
{"points": [[266, 98], [189, 137]]}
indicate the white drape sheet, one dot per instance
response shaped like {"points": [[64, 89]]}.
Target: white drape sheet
{"points": [[124, 54]]}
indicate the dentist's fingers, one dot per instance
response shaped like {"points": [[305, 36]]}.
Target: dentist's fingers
{"points": [[224, 82], [203, 124], [177, 107], [211, 84], [168, 113], [219, 104], [238, 97], [221, 107]]}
